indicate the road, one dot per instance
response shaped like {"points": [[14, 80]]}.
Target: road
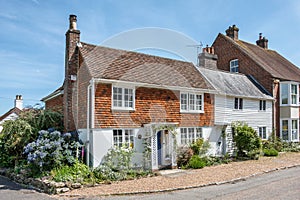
{"points": [[12, 191], [283, 184]]}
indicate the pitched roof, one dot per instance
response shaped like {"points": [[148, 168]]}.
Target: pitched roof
{"points": [[115, 64], [57, 92], [11, 111], [270, 60], [233, 84]]}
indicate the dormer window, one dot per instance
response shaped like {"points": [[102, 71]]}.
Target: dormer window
{"points": [[234, 66]]}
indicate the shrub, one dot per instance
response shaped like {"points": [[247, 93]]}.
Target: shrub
{"points": [[196, 162], [51, 149], [270, 152], [291, 146], [200, 147], [246, 139], [184, 155], [78, 172]]}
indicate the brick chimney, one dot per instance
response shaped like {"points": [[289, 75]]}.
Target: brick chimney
{"points": [[19, 102], [208, 58], [71, 68], [262, 41], [233, 32]]}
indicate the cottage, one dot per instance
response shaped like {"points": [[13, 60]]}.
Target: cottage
{"points": [[275, 73], [115, 97], [239, 98], [149, 103], [13, 113]]}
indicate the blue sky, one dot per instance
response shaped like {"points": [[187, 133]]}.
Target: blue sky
{"points": [[32, 36]]}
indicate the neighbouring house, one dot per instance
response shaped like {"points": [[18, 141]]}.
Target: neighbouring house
{"points": [[239, 98], [55, 100], [275, 73], [13, 113]]}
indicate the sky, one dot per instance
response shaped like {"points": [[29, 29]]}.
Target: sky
{"points": [[32, 34]]}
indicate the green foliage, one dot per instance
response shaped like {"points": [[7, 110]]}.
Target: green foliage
{"points": [[273, 142], [196, 162], [52, 149], [270, 152], [246, 139], [78, 172], [184, 154], [115, 165], [291, 146], [15, 135], [200, 147]]}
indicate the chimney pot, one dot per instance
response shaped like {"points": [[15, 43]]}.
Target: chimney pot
{"points": [[73, 22], [262, 41], [233, 32]]}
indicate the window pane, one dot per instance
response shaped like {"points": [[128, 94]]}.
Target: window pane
{"points": [[191, 135], [198, 102], [183, 101], [183, 135], [240, 104], [234, 66], [236, 103], [117, 136], [285, 130], [198, 133], [294, 129], [192, 102], [284, 93]]}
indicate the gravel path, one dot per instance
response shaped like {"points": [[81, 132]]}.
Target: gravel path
{"points": [[191, 178]]}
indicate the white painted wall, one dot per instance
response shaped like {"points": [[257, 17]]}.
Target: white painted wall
{"points": [[225, 112]]}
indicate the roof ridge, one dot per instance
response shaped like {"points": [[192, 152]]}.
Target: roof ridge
{"points": [[138, 53]]}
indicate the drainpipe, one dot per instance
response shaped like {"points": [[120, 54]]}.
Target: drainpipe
{"points": [[88, 126]]}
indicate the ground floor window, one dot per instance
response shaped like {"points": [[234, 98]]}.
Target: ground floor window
{"points": [[123, 138], [189, 135], [289, 129], [262, 132]]}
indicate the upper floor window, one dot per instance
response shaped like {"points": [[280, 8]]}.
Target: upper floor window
{"points": [[123, 138], [123, 98], [190, 102], [289, 93], [189, 135], [234, 66], [262, 105], [238, 103]]}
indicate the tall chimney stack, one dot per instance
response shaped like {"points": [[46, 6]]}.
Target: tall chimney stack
{"points": [[19, 102], [233, 32], [262, 41], [208, 58]]}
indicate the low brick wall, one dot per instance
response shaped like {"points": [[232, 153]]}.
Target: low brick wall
{"points": [[41, 184]]}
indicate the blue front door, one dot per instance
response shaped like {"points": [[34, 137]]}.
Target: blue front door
{"points": [[159, 145]]}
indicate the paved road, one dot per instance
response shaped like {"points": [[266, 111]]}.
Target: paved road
{"points": [[283, 184], [12, 191]]}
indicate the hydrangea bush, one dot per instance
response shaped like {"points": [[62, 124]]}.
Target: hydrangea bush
{"points": [[52, 149]]}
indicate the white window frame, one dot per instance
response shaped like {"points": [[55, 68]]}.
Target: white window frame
{"points": [[190, 134], [125, 139], [240, 105], [262, 131], [262, 105], [234, 68], [290, 130], [290, 93], [192, 103], [123, 98]]}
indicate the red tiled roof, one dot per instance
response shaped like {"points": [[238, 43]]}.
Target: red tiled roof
{"points": [[270, 60], [115, 64]]}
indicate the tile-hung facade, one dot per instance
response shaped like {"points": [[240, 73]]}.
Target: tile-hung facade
{"points": [[276, 74]]}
